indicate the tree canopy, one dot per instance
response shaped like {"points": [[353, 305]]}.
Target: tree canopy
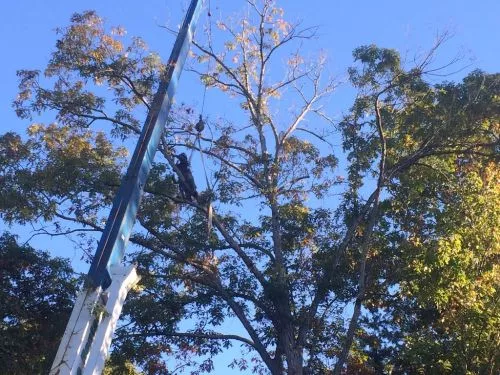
{"points": [[378, 254], [36, 298]]}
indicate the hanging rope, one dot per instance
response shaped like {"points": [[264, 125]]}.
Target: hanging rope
{"points": [[209, 207], [200, 126]]}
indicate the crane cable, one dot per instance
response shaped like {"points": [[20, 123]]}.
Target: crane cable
{"points": [[200, 126]]}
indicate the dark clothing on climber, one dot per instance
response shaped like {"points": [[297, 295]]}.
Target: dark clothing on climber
{"points": [[187, 187]]}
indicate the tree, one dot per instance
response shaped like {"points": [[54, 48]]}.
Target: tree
{"points": [[277, 260], [36, 298], [116, 365], [448, 303], [441, 219]]}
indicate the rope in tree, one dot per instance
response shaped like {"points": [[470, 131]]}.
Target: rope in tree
{"points": [[200, 127]]}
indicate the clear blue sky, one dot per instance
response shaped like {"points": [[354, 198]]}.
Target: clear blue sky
{"points": [[27, 38]]}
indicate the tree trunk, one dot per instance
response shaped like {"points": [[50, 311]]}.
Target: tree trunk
{"points": [[293, 355], [294, 361]]}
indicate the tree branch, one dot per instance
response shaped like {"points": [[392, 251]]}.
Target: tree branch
{"points": [[365, 245], [196, 335]]}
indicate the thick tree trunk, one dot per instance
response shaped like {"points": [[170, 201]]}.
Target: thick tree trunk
{"points": [[293, 354], [295, 363]]}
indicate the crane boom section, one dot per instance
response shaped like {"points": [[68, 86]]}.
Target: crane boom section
{"points": [[111, 248]]}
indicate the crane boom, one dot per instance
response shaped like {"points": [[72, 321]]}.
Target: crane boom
{"points": [[87, 338], [121, 219]]}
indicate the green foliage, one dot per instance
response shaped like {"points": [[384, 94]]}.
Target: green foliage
{"points": [[438, 276], [119, 366], [448, 298], [36, 298], [54, 163]]}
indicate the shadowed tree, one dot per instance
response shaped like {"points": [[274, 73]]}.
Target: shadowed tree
{"points": [[36, 298]]}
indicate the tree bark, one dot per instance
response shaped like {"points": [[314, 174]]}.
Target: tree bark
{"points": [[293, 354]]}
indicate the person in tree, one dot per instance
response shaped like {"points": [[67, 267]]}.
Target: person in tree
{"points": [[187, 186]]}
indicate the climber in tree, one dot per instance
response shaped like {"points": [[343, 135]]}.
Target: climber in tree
{"points": [[187, 187]]}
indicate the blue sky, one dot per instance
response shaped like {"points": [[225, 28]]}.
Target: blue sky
{"points": [[27, 37]]}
